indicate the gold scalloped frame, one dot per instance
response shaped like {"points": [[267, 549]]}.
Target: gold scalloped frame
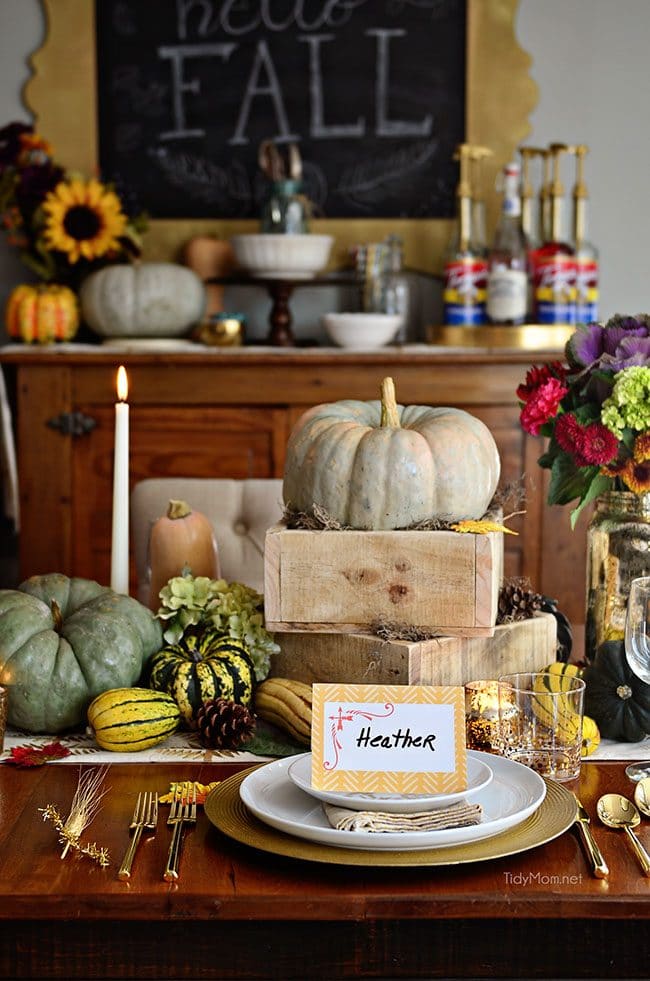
{"points": [[500, 97]]}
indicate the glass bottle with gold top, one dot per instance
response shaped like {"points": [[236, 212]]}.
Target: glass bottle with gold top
{"points": [[531, 222], [586, 254], [465, 271], [555, 267]]}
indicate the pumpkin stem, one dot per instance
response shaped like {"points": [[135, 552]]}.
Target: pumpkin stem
{"points": [[178, 509], [389, 413], [56, 615]]}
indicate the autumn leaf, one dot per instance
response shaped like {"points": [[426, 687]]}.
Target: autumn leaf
{"points": [[481, 527], [35, 756]]}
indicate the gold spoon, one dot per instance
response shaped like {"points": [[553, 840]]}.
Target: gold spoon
{"points": [[642, 796], [617, 811]]}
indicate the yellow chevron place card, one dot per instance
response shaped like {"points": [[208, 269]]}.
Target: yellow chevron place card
{"points": [[388, 739]]}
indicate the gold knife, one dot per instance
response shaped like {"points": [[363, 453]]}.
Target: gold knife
{"points": [[598, 864]]}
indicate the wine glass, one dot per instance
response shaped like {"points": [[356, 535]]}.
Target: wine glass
{"points": [[637, 648], [637, 628]]}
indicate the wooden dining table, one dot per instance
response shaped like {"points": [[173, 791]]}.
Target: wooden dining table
{"points": [[241, 912]]}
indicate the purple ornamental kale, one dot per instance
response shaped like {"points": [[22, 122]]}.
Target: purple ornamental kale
{"points": [[620, 343]]}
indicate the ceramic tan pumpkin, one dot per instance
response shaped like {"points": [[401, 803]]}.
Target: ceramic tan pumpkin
{"points": [[182, 538], [378, 465], [145, 299]]}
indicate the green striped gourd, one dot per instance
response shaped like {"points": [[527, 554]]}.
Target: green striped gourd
{"points": [[202, 667], [557, 713], [126, 720]]}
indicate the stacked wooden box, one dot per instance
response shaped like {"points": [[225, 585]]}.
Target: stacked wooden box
{"points": [[326, 592]]}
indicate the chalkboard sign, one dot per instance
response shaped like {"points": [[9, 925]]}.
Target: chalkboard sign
{"points": [[371, 91]]}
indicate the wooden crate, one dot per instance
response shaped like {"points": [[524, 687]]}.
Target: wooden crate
{"points": [[527, 645], [347, 581]]}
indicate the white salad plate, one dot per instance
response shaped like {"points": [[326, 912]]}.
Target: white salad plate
{"points": [[479, 775], [514, 793]]}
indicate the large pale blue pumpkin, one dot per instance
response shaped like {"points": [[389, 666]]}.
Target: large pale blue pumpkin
{"points": [[379, 465]]}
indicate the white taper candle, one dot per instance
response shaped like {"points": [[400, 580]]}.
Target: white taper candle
{"points": [[120, 538]]}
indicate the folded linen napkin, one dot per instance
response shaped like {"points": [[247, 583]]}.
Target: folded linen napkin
{"points": [[457, 815]]}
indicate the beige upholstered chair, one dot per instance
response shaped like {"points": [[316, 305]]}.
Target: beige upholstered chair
{"points": [[240, 510]]}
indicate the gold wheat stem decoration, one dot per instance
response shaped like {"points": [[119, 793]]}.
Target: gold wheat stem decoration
{"points": [[85, 805]]}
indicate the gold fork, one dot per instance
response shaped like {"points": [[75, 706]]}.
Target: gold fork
{"points": [[145, 815], [182, 811]]}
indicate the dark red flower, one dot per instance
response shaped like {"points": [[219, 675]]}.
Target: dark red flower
{"points": [[34, 183], [537, 376], [10, 142], [567, 433], [597, 444], [542, 404]]}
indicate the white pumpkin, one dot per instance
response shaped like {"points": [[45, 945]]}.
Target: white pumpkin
{"points": [[146, 299]]}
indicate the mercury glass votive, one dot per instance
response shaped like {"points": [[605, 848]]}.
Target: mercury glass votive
{"points": [[482, 715], [4, 707]]}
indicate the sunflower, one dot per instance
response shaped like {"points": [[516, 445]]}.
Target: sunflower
{"points": [[83, 219]]}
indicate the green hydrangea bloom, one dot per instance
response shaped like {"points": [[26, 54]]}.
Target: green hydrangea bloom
{"points": [[236, 610], [628, 407]]}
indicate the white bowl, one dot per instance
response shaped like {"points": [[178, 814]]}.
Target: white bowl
{"points": [[282, 256], [362, 330]]}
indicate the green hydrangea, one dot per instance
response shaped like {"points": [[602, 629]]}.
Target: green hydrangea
{"points": [[235, 610], [628, 407]]}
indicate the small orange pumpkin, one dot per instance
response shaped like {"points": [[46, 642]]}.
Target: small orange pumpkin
{"points": [[42, 313], [181, 539]]}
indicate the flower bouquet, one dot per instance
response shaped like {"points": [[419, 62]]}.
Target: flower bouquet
{"points": [[63, 226], [595, 411]]}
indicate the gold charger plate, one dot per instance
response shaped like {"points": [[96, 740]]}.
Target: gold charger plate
{"points": [[225, 810]]}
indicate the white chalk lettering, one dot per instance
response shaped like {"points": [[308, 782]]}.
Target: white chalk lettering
{"points": [[383, 125], [318, 129], [254, 89], [235, 18], [177, 55]]}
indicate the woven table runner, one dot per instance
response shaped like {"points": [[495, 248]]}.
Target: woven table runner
{"points": [[184, 747]]}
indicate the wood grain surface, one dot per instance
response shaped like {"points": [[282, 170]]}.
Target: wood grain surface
{"points": [[526, 645], [240, 913], [330, 581]]}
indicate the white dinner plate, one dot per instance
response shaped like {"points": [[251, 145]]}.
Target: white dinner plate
{"points": [[479, 775], [513, 795]]}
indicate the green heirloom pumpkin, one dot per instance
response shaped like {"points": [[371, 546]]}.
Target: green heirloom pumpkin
{"points": [[203, 667], [615, 698], [62, 642], [378, 465]]}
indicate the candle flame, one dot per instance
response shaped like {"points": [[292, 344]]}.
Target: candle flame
{"points": [[122, 384]]}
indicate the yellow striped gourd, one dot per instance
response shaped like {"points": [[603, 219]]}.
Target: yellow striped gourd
{"points": [[553, 703], [202, 667], [126, 720]]}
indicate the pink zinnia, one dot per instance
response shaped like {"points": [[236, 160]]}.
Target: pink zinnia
{"points": [[542, 405]]}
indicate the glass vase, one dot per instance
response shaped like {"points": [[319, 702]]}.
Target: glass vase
{"points": [[618, 551], [286, 210]]}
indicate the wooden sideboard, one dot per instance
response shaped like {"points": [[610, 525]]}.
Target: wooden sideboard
{"points": [[217, 412]]}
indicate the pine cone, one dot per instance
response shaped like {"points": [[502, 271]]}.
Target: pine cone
{"points": [[517, 601], [224, 725]]}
